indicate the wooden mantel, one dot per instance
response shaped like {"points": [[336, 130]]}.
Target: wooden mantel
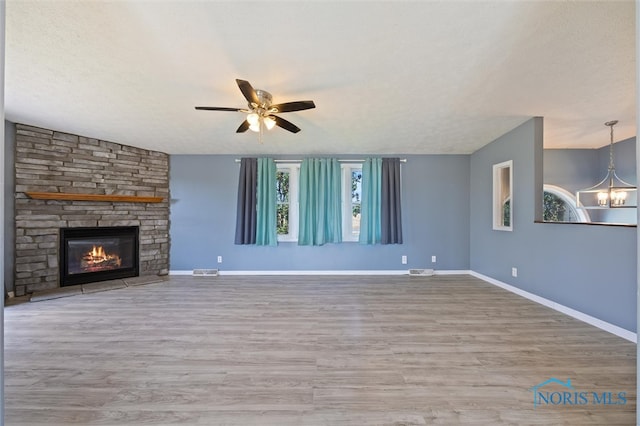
{"points": [[93, 197]]}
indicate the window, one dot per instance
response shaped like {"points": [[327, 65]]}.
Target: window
{"points": [[287, 202], [287, 177], [559, 206], [282, 194], [351, 201]]}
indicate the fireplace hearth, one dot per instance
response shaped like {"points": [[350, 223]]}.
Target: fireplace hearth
{"points": [[98, 254]]}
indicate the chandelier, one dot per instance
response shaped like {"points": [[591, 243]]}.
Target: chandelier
{"points": [[610, 192]]}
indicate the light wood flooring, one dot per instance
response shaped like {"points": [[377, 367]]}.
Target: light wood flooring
{"points": [[320, 350]]}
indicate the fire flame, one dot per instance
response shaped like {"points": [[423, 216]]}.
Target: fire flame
{"points": [[97, 255]]}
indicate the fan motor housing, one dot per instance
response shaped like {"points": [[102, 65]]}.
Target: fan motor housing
{"points": [[264, 97]]}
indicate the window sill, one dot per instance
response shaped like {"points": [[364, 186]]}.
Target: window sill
{"points": [[623, 225]]}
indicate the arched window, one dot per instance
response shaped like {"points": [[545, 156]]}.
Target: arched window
{"points": [[560, 206]]}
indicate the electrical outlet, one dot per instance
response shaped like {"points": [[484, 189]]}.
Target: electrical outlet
{"points": [[433, 259], [404, 260], [219, 259], [514, 272]]}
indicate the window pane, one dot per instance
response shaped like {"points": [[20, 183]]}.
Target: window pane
{"points": [[355, 224], [356, 199], [282, 187], [506, 213], [356, 186], [557, 210], [282, 217], [282, 200]]}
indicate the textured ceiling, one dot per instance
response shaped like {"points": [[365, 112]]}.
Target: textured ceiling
{"points": [[419, 77]]}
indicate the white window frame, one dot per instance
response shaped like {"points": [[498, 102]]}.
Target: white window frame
{"points": [[348, 235], [294, 202], [294, 177], [570, 201]]}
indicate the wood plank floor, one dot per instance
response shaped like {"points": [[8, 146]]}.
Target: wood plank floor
{"points": [[312, 351]]}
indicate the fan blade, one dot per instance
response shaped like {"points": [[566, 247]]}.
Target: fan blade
{"points": [[287, 125], [248, 91], [294, 106], [218, 109], [243, 127]]}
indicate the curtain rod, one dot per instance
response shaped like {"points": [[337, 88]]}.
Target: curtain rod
{"points": [[355, 160]]}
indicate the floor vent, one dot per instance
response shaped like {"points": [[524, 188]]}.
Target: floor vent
{"points": [[205, 272], [420, 272]]}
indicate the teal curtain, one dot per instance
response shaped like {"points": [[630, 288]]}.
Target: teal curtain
{"points": [[320, 219], [370, 207], [266, 233]]}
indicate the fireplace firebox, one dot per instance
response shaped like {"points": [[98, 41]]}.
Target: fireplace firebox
{"points": [[98, 254]]}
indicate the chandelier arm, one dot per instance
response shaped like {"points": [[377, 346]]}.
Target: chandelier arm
{"points": [[597, 185], [611, 192], [622, 181]]}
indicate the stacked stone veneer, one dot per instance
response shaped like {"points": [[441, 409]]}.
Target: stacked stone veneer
{"points": [[51, 161]]}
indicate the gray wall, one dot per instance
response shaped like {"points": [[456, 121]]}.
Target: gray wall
{"points": [[447, 213], [589, 268], [571, 169], [435, 201], [9, 204], [624, 154], [574, 169]]}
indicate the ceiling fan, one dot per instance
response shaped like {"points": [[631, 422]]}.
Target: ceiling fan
{"points": [[261, 112]]}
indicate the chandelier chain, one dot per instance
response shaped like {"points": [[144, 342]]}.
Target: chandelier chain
{"points": [[611, 124], [611, 166]]}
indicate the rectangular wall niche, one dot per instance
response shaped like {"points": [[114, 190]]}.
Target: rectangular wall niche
{"points": [[503, 196], [98, 254]]}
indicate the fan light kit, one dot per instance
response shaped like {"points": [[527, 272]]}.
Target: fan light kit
{"points": [[610, 192], [261, 112]]}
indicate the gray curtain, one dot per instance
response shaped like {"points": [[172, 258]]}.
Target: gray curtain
{"points": [[391, 214], [246, 216]]}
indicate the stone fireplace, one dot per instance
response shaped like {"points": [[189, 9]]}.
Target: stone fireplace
{"points": [[66, 182]]}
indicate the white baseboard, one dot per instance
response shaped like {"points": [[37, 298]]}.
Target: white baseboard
{"points": [[452, 272], [603, 325], [181, 272], [306, 272], [333, 272]]}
